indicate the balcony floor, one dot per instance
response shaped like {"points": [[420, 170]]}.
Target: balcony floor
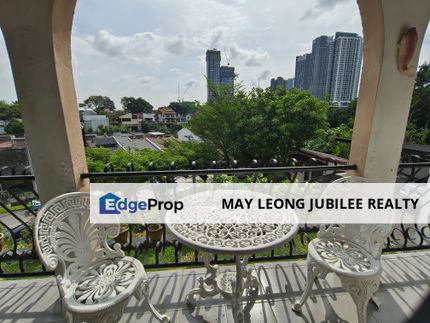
{"points": [[405, 283]]}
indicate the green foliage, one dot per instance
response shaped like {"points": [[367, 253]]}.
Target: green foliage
{"points": [[9, 111], [262, 124], [417, 136], [103, 130], [99, 103], [338, 116], [419, 115], [182, 153], [183, 108], [136, 105], [14, 127], [325, 141]]}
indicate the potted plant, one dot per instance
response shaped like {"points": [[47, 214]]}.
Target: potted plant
{"points": [[155, 231], [122, 237]]}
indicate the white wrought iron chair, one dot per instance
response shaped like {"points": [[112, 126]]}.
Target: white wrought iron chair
{"points": [[352, 252], [95, 281]]}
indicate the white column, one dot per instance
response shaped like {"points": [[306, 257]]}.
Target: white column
{"points": [[38, 35], [385, 93]]}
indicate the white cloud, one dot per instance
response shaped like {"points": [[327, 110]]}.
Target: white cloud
{"points": [[147, 80], [250, 57], [177, 46], [321, 7], [142, 47]]}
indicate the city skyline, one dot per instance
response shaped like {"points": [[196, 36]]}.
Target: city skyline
{"points": [[150, 48], [333, 67]]}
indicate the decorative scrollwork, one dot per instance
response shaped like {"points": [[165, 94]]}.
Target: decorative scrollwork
{"points": [[104, 282], [344, 255], [231, 235]]}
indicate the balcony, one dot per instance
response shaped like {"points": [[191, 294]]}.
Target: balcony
{"points": [[405, 282], [40, 55], [173, 268]]}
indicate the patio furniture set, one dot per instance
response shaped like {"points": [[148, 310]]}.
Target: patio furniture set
{"points": [[96, 280]]}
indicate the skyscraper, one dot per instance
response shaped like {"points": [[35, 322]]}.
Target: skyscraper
{"points": [[227, 75], [302, 76], [346, 67], [213, 62], [281, 82], [332, 68], [320, 70], [278, 82]]}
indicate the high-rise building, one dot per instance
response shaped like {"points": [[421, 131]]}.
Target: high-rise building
{"points": [[346, 67], [320, 65], [227, 75], [302, 76], [332, 68], [281, 82], [213, 62], [278, 82]]}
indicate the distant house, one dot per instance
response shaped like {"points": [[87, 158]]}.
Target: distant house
{"points": [[3, 124], [134, 120], [106, 142], [84, 111], [93, 122], [166, 115], [186, 135], [130, 142]]}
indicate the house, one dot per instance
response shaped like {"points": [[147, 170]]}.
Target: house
{"points": [[106, 142], [130, 142], [3, 124], [134, 120], [186, 135], [166, 115], [93, 122]]}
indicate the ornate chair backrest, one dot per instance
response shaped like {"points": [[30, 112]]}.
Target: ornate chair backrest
{"points": [[65, 239], [370, 236]]}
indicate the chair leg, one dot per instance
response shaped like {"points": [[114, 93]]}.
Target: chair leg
{"points": [[312, 275], [143, 292], [361, 291]]}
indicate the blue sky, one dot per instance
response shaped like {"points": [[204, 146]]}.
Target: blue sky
{"points": [[147, 47]]}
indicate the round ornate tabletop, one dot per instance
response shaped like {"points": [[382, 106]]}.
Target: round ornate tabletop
{"points": [[232, 238]]}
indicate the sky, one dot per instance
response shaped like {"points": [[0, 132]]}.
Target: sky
{"points": [[146, 48]]}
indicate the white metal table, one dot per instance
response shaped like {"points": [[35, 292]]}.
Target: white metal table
{"points": [[238, 239]]}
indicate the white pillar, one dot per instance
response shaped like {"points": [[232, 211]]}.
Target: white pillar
{"points": [[385, 93], [38, 35]]}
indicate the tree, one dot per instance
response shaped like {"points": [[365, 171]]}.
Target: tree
{"points": [[216, 121], [136, 105], [338, 116], [183, 108], [261, 125], [14, 127], [420, 106], [9, 111], [100, 103], [325, 141]]}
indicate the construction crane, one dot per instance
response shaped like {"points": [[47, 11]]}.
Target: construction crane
{"points": [[181, 97], [207, 46], [226, 57]]}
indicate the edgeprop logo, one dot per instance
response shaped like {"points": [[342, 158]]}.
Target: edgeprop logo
{"points": [[113, 204]]}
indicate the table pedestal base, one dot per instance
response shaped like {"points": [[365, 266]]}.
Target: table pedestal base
{"points": [[229, 284]]}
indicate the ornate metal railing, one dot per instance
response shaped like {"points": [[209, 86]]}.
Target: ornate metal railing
{"points": [[155, 247]]}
